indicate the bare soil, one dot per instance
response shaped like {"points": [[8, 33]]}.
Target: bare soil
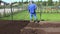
{"points": [[26, 27]]}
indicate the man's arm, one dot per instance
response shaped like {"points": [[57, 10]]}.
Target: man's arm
{"points": [[35, 6]]}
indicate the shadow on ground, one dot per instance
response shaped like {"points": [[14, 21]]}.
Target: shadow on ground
{"points": [[9, 27]]}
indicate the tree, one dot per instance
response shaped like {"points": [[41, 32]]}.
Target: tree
{"points": [[0, 2], [22, 1], [26, 2], [59, 2], [38, 3], [44, 3], [50, 2]]}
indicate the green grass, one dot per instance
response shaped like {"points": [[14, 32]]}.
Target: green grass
{"points": [[24, 15], [51, 17]]}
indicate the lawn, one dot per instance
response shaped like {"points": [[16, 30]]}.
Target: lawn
{"points": [[24, 15]]}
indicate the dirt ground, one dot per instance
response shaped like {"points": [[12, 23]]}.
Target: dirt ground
{"points": [[25, 27]]}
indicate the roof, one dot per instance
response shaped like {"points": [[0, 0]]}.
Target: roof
{"points": [[3, 2]]}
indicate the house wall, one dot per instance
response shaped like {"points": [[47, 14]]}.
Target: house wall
{"points": [[2, 4]]}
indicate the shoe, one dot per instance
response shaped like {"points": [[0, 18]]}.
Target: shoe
{"points": [[31, 21], [36, 21]]}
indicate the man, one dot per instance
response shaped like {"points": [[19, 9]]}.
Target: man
{"points": [[32, 10]]}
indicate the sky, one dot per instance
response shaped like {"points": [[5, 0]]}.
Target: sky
{"points": [[9, 1]]}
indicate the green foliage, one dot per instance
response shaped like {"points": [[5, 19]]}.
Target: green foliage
{"points": [[59, 2], [1, 7], [50, 2], [44, 3], [0, 15]]}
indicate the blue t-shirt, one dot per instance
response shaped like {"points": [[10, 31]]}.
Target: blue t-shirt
{"points": [[32, 8]]}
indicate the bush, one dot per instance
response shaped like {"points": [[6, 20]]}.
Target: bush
{"points": [[1, 7], [0, 15]]}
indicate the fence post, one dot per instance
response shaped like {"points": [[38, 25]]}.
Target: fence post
{"points": [[11, 11], [40, 11], [4, 10]]}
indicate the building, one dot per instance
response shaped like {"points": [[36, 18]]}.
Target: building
{"points": [[2, 3]]}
